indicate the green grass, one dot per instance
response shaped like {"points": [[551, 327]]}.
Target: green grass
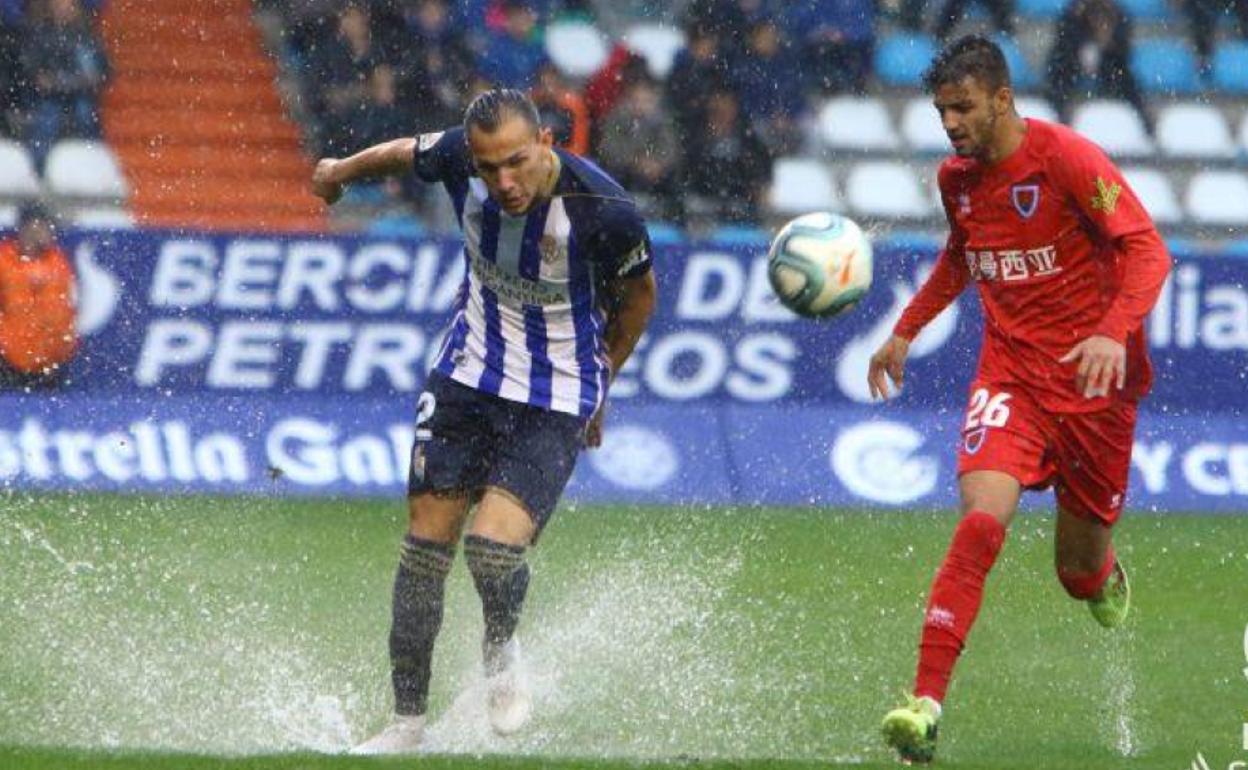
{"points": [[164, 633]]}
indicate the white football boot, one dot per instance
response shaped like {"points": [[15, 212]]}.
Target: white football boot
{"points": [[402, 736], [509, 700]]}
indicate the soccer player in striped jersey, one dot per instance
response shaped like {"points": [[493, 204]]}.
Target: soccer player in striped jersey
{"points": [[557, 291]]}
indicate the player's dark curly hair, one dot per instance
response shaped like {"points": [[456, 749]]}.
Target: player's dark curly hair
{"points": [[971, 56], [486, 112]]}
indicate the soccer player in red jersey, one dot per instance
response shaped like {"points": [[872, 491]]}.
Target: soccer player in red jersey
{"points": [[1067, 263]]}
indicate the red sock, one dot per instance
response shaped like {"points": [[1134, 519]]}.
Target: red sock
{"points": [[954, 601]]}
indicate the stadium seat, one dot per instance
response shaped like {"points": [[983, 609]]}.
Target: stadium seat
{"points": [[79, 168], [886, 189], [1035, 107], [658, 44], [1230, 67], [920, 125], [1156, 193], [104, 218], [1022, 75], [17, 172], [1194, 131], [577, 48], [1115, 126], [1165, 66], [8, 217], [857, 124], [801, 185], [1042, 9], [1146, 10], [902, 57], [1218, 198]]}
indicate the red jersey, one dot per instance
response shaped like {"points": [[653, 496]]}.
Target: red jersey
{"points": [[1061, 249]]}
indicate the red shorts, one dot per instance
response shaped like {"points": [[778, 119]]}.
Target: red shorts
{"points": [[1086, 457]]}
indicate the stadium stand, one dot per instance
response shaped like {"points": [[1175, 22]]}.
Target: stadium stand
{"points": [[193, 114]]}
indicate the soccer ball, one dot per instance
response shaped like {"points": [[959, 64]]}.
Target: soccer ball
{"points": [[820, 265]]}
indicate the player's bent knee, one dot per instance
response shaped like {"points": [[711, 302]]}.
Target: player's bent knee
{"points": [[437, 517]]}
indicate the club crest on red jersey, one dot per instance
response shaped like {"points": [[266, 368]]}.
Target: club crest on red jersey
{"points": [[973, 440], [1026, 198]]}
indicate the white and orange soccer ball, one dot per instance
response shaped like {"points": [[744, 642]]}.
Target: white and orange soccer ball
{"points": [[820, 264]]}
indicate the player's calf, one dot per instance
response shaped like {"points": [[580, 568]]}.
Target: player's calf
{"points": [[502, 580], [419, 587]]}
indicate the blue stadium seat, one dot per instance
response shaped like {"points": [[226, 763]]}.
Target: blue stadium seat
{"points": [[1230, 67], [1148, 10], [1021, 73], [1042, 9], [901, 58], [1165, 65]]}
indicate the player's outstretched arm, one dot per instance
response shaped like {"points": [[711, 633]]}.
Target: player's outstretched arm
{"points": [[332, 174], [631, 305], [889, 362]]}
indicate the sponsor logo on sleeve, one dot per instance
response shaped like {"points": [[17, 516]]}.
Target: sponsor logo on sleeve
{"points": [[425, 141], [1106, 196]]}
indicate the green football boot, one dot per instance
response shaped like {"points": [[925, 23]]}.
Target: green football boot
{"points": [[911, 729], [1111, 607]]}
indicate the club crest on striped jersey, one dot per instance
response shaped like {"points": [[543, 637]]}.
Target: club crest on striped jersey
{"points": [[551, 249], [1026, 199]]}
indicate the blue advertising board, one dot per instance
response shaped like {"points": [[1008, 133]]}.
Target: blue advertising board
{"points": [[264, 364]]}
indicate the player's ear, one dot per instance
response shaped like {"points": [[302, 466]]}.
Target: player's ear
{"points": [[1004, 100], [546, 136]]}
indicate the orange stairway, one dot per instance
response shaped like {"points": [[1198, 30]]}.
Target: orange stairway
{"points": [[193, 113]]}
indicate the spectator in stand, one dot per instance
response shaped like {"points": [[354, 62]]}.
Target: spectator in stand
{"points": [[1203, 16], [1001, 11], [1091, 55], [639, 147], [605, 87], [380, 118], [339, 77], [698, 70], [37, 312], [513, 56], [769, 81], [725, 163], [835, 40], [562, 109], [66, 67], [13, 81], [435, 61]]}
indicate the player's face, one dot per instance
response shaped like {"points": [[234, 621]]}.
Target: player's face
{"points": [[970, 112], [514, 161]]}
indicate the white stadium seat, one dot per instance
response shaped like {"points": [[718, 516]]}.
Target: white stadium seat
{"points": [[1156, 193], [1194, 131], [577, 48], [1218, 198], [1035, 107], [106, 218], [920, 125], [860, 124], [800, 186], [658, 44], [8, 216], [1115, 126], [17, 172], [79, 168], [886, 189]]}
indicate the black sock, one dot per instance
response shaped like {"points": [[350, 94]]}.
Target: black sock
{"points": [[502, 579], [417, 616]]}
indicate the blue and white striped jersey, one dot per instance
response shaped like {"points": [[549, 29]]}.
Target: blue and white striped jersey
{"points": [[528, 322]]}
